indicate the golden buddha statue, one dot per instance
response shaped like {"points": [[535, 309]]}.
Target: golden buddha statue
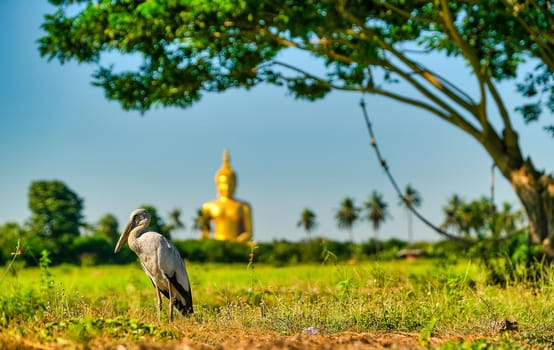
{"points": [[232, 217]]}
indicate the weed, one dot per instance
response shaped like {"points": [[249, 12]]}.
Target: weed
{"points": [[428, 331], [251, 256], [327, 256], [344, 288], [481, 344], [18, 251], [46, 280], [84, 330]]}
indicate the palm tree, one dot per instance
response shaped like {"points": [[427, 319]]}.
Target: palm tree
{"points": [[473, 217], [175, 220], [411, 199], [452, 213], [477, 217], [346, 217], [307, 221], [376, 213], [508, 220], [201, 222]]}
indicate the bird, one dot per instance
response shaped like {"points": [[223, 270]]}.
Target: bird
{"points": [[161, 262]]}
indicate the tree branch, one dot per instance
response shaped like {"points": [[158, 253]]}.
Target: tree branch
{"points": [[402, 12], [510, 136], [385, 166], [455, 95], [453, 117], [501, 107], [468, 52], [436, 80], [538, 36]]}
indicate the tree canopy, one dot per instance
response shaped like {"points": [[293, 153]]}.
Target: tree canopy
{"points": [[376, 210], [191, 47], [55, 209], [347, 215], [108, 226], [308, 220]]}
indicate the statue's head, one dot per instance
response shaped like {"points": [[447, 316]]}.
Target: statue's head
{"points": [[225, 178]]}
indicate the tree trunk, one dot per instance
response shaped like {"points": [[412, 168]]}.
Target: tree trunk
{"points": [[534, 188], [536, 192]]}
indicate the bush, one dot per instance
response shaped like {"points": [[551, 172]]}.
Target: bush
{"points": [[98, 249], [277, 253], [511, 259], [208, 250]]}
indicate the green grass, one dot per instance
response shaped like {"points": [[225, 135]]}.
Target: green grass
{"points": [[434, 300]]}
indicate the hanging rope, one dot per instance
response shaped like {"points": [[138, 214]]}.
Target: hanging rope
{"points": [[395, 184]]}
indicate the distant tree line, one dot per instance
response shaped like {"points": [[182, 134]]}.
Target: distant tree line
{"points": [[56, 224]]}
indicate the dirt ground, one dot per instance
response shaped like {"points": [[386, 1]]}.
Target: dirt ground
{"points": [[346, 341], [237, 341]]}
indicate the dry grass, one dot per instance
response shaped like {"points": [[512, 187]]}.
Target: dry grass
{"points": [[366, 306]]}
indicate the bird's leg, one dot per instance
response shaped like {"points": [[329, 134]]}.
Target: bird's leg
{"points": [[159, 302], [170, 300]]}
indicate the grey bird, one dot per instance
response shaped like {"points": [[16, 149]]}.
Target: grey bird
{"points": [[161, 262]]}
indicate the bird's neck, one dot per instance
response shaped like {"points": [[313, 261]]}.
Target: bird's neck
{"points": [[132, 240]]}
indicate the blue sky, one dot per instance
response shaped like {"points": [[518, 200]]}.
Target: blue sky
{"points": [[288, 154]]}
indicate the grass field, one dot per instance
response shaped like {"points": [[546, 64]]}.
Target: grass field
{"points": [[423, 303]]}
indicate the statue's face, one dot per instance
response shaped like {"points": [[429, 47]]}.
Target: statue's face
{"points": [[225, 186]]}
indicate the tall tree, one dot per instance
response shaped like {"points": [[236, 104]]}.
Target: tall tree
{"points": [[347, 215], [410, 199], [108, 227], [307, 221], [56, 211], [192, 47], [376, 213]]}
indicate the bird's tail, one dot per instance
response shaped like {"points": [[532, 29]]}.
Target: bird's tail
{"points": [[184, 309], [183, 299]]}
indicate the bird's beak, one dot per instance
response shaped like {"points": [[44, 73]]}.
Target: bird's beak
{"points": [[123, 237]]}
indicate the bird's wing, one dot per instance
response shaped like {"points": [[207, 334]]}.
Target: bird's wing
{"points": [[175, 271], [149, 244]]}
